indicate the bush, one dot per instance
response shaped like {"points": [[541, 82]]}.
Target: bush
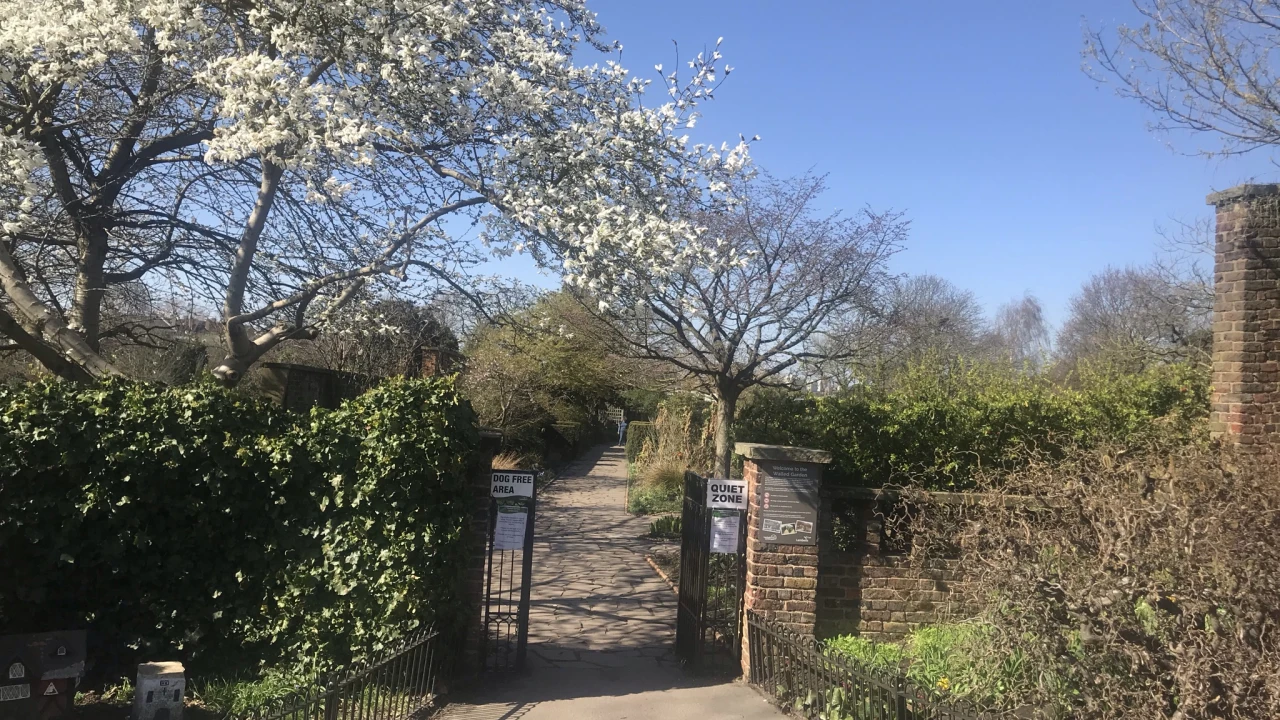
{"points": [[938, 428], [659, 489], [194, 523], [955, 659], [1137, 583], [638, 433]]}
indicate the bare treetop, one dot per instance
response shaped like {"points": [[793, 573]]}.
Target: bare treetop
{"points": [[1201, 66], [781, 274]]}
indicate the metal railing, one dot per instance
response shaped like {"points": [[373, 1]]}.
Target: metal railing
{"points": [[397, 684], [814, 681]]}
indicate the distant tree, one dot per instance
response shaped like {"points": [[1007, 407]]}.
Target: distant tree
{"points": [[377, 338], [928, 315], [1130, 314], [544, 365], [1020, 333], [1201, 66], [780, 275]]}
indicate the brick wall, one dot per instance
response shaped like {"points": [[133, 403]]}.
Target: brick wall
{"points": [[872, 590], [1246, 316]]}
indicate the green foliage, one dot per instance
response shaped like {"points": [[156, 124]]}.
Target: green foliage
{"points": [[881, 657], [656, 488], [192, 522], [547, 367], [667, 526], [957, 659], [937, 428], [638, 433], [238, 696]]}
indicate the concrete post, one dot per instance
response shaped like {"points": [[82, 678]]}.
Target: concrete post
{"points": [[1246, 316], [783, 487]]}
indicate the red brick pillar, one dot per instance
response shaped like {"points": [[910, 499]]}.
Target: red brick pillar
{"points": [[1246, 316], [478, 542], [782, 567]]}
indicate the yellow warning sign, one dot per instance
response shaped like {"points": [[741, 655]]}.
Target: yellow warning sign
{"points": [[51, 690]]}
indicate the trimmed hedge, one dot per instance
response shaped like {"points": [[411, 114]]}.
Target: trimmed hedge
{"points": [[936, 428], [637, 433], [194, 523]]}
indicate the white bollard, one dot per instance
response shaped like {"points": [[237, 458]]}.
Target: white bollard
{"points": [[160, 690]]}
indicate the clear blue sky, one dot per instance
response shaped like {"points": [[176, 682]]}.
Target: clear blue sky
{"points": [[1018, 171]]}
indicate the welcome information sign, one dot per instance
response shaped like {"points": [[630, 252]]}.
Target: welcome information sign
{"points": [[789, 502]]}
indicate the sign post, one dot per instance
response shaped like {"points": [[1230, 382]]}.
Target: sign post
{"points": [[727, 500], [512, 504]]}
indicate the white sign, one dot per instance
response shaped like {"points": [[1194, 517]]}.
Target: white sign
{"points": [[511, 483], [725, 532], [508, 531], [727, 494]]}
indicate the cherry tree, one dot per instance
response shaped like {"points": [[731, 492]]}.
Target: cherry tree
{"points": [[275, 158]]}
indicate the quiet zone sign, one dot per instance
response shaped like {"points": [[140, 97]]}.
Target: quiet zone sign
{"points": [[511, 483], [727, 494]]}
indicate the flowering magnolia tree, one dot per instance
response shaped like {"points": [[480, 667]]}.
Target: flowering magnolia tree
{"points": [[276, 157]]}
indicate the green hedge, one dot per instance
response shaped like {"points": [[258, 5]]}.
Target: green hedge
{"points": [[936, 427], [194, 523], [637, 433]]}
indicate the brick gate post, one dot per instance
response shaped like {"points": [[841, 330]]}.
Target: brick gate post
{"points": [[783, 490], [1246, 316], [478, 545]]}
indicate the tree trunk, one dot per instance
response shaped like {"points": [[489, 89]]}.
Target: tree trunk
{"points": [[726, 407]]}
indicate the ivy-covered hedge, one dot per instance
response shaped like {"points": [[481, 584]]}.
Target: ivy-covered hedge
{"points": [[936, 428], [195, 523]]}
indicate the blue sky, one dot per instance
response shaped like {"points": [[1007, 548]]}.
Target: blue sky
{"points": [[1018, 171]]}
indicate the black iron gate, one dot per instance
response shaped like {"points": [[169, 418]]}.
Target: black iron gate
{"points": [[712, 577], [507, 578]]}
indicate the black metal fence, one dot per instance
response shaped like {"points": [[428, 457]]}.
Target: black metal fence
{"points": [[398, 684], [508, 577], [708, 616], [816, 682]]}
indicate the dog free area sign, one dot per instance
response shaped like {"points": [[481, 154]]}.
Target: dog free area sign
{"points": [[511, 483]]}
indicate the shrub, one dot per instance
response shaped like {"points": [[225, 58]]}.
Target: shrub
{"points": [[664, 478], [954, 659], [191, 522], [638, 433], [659, 488], [938, 428], [1137, 583]]}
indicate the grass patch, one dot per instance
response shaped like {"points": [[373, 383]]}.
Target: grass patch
{"points": [[233, 696]]}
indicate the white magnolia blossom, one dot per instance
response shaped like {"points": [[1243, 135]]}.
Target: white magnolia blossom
{"points": [[195, 125]]}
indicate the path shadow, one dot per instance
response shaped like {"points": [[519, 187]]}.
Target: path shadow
{"points": [[592, 674]]}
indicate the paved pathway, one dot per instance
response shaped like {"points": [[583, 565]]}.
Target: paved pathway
{"points": [[602, 623]]}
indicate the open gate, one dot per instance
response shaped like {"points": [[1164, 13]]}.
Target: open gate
{"points": [[713, 572]]}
